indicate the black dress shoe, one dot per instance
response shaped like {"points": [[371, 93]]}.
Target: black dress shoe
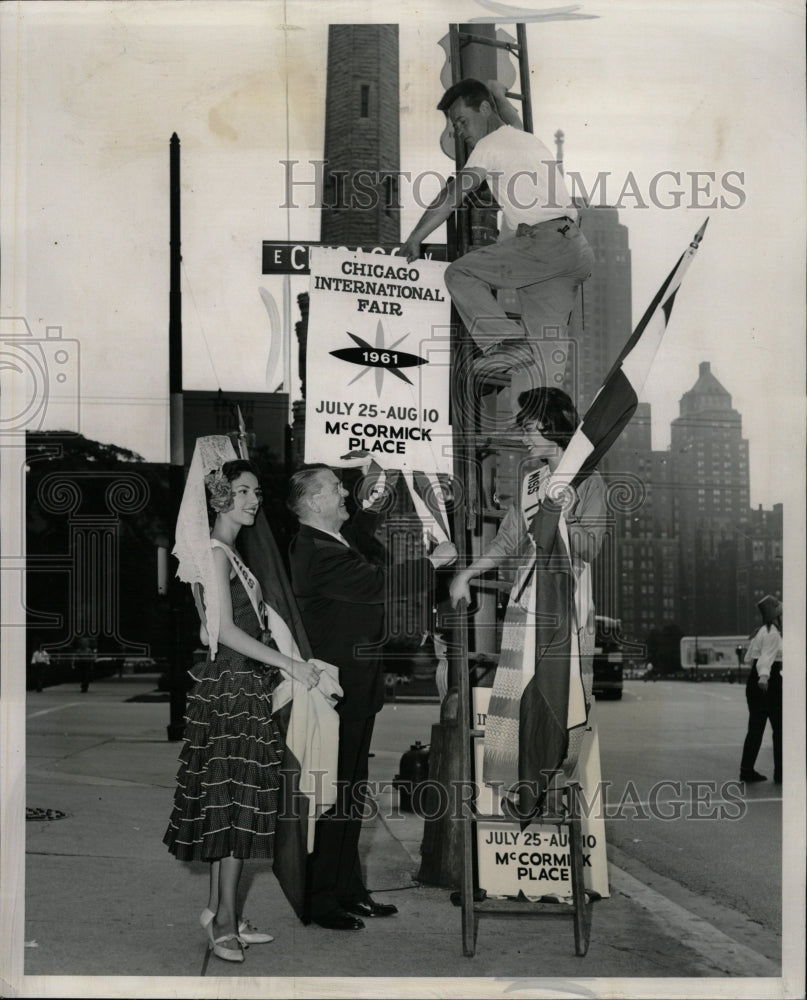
{"points": [[369, 908], [750, 776], [339, 920]]}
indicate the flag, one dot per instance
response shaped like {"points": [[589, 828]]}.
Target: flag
{"points": [[616, 401], [261, 554], [543, 710]]}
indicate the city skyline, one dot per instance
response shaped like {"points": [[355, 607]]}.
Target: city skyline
{"points": [[244, 94], [683, 555]]}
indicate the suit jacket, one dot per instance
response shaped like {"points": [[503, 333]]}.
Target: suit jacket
{"points": [[342, 594]]}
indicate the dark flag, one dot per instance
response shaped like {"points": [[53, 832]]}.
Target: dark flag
{"points": [[615, 403], [290, 864], [291, 855]]}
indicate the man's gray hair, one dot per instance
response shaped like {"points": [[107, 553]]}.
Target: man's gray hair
{"points": [[302, 485]]}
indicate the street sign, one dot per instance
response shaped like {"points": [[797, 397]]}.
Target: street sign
{"points": [[293, 256]]}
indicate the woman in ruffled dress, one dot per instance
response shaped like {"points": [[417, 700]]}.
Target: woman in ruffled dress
{"points": [[225, 803]]}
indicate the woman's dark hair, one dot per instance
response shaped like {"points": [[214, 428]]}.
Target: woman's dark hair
{"points": [[237, 467], [230, 471], [552, 409]]}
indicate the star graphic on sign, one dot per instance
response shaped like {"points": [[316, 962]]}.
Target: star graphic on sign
{"points": [[379, 357]]}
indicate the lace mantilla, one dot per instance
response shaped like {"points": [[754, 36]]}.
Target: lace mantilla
{"points": [[192, 548]]}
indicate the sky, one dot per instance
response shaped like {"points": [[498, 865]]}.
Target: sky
{"points": [[642, 89]]}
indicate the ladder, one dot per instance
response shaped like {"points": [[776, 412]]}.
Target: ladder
{"points": [[470, 518]]}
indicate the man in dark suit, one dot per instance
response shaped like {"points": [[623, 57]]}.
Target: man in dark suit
{"points": [[342, 592]]}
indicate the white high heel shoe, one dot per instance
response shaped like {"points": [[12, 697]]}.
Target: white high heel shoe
{"points": [[228, 954], [247, 933]]}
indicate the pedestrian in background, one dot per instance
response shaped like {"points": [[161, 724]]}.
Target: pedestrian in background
{"points": [[763, 690], [83, 661], [39, 661]]}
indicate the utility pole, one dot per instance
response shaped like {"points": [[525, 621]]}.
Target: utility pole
{"points": [[176, 478]]}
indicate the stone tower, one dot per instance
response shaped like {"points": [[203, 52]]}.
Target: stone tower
{"points": [[360, 204]]}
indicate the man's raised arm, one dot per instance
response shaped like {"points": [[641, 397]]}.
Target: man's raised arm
{"points": [[504, 109], [446, 202]]}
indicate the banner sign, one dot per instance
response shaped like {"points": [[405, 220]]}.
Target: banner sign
{"points": [[378, 361], [535, 860], [292, 257]]}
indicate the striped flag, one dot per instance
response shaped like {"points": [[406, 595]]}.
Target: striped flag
{"points": [[615, 403], [543, 710]]}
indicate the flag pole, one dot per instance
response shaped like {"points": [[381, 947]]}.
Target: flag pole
{"points": [[243, 449]]}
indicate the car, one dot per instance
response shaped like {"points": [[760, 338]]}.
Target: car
{"points": [[608, 659]]}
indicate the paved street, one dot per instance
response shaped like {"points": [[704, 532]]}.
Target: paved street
{"points": [[103, 897], [723, 840]]}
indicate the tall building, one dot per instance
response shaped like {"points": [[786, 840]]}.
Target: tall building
{"points": [[645, 583], [709, 465], [759, 562], [601, 320], [362, 136], [690, 555]]}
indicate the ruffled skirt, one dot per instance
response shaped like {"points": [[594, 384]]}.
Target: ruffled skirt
{"points": [[225, 801]]}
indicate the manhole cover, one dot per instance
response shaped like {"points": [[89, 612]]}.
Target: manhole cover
{"points": [[37, 812]]}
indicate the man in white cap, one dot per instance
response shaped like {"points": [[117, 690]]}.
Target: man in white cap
{"points": [[763, 690]]}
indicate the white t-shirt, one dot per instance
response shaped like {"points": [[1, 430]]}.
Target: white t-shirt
{"points": [[523, 176]]}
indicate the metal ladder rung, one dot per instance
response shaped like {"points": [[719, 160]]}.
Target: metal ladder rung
{"points": [[524, 908], [466, 37]]}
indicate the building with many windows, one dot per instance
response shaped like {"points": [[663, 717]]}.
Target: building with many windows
{"points": [[689, 551], [759, 562], [601, 320], [709, 464]]}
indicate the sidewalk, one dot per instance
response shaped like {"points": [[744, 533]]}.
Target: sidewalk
{"points": [[105, 898]]}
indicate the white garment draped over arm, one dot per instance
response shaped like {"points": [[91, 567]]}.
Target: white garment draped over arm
{"points": [[313, 731]]}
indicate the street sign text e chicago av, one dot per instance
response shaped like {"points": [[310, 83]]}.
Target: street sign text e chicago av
{"points": [[292, 256]]}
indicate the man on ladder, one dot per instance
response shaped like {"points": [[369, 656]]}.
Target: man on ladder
{"points": [[541, 251], [543, 256]]}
